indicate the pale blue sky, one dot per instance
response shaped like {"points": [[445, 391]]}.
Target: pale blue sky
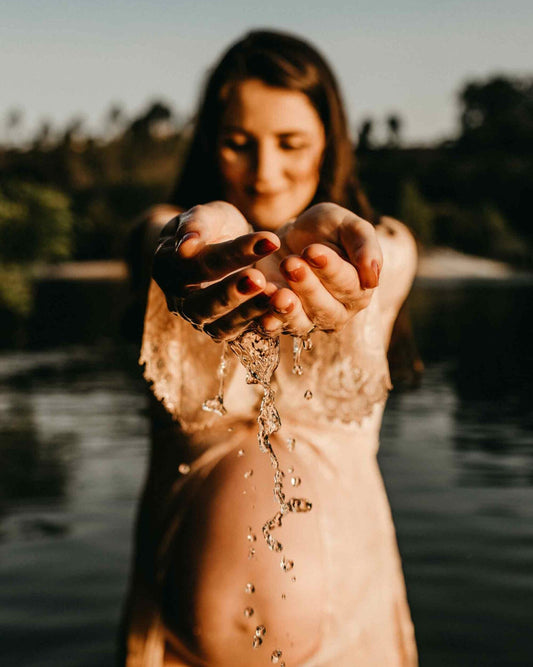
{"points": [[61, 58]]}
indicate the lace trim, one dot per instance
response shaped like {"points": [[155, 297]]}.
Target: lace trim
{"points": [[347, 373], [180, 363]]}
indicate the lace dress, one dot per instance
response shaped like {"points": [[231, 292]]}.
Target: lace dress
{"points": [[365, 618]]}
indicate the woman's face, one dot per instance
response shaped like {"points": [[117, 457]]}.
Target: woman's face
{"points": [[270, 149]]}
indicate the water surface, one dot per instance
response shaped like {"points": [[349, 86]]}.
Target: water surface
{"points": [[457, 457]]}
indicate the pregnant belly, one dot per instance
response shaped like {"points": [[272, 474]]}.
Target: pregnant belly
{"points": [[224, 582]]}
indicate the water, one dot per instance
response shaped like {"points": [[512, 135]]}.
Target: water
{"points": [[457, 457]]}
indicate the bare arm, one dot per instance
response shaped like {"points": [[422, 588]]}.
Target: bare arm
{"points": [[399, 268]]}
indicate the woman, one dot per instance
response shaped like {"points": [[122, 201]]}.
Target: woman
{"points": [[278, 239]]}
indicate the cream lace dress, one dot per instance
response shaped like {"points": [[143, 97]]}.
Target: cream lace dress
{"points": [[365, 618]]}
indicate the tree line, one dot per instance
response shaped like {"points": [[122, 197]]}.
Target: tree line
{"points": [[65, 194]]}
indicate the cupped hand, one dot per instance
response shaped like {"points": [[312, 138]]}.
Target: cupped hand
{"points": [[203, 265], [331, 266]]}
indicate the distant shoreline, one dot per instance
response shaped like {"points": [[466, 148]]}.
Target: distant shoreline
{"points": [[436, 264]]}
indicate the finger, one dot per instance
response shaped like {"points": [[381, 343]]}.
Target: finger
{"points": [[220, 259], [203, 306], [288, 315], [321, 307], [339, 277], [236, 321], [208, 223], [359, 239]]}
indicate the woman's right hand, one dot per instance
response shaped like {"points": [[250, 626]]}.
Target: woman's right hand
{"points": [[203, 264]]}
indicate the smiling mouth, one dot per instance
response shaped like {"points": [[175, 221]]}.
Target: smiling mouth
{"points": [[252, 192]]}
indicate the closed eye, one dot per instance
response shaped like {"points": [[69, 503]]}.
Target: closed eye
{"points": [[236, 144]]}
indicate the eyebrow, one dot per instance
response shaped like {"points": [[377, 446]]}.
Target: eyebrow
{"points": [[283, 135]]}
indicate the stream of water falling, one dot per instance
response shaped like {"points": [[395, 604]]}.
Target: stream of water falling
{"points": [[260, 357]]}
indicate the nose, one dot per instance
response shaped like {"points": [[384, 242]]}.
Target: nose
{"points": [[267, 167]]}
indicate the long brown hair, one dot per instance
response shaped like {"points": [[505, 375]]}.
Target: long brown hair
{"points": [[282, 61]]}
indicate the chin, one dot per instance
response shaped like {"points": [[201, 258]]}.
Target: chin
{"points": [[272, 217]]}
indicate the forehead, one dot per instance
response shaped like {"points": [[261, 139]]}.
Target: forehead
{"points": [[257, 108]]}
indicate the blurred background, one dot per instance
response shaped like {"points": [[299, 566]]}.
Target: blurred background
{"points": [[95, 117]]}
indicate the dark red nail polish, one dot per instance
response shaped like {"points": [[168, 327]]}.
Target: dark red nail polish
{"points": [[264, 247], [318, 262], [284, 311], [246, 285], [296, 274]]}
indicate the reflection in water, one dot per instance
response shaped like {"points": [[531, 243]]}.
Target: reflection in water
{"points": [[456, 457], [483, 330], [31, 466]]}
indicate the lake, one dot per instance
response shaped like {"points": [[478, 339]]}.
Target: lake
{"points": [[456, 455]]}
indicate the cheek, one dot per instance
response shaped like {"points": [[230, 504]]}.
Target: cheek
{"points": [[233, 168], [307, 169]]}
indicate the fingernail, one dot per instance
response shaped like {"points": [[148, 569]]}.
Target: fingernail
{"points": [[296, 274], [285, 310], [318, 261], [187, 237], [264, 247], [371, 282], [246, 285]]}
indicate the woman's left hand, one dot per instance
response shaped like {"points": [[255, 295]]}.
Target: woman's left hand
{"points": [[331, 266]]}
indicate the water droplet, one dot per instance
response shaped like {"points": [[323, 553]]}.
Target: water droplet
{"points": [[308, 395], [251, 537], [248, 473], [240, 452], [300, 505], [290, 444], [184, 468], [248, 612], [260, 631], [249, 588], [296, 481], [293, 579], [283, 596], [286, 564], [256, 642], [215, 405], [290, 470], [251, 552], [276, 655], [308, 343]]}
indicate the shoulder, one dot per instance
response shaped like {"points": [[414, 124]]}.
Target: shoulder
{"points": [[400, 259]]}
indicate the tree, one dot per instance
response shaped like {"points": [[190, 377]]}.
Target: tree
{"points": [[365, 142], [14, 119], [497, 114], [152, 121], [394, 126]]}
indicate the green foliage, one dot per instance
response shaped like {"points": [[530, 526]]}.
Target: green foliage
{"points": [[35, 224], [416, 212], [35, 227], [480, 230], [16, 294]]}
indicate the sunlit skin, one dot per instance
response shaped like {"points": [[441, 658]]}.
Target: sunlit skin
{"points": [[265, 255], [270, 150], [320, 269]]}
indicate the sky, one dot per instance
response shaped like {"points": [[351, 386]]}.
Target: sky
{"points": [[65, 58]]}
